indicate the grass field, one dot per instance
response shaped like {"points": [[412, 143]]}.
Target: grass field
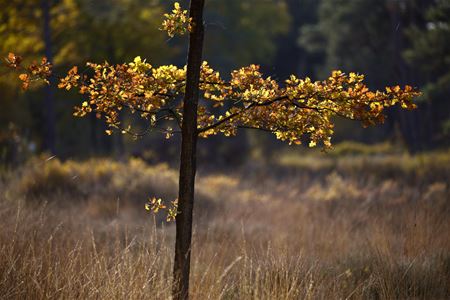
{"points": [[351, 226]]}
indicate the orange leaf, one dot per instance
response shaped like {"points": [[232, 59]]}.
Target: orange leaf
{"points": [[24, 77], [11, 56]]}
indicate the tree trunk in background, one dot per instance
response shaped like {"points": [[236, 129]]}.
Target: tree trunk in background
{"points": [[182, 259], [94, 144], [408, 121], [117, 144], [49, 102]]}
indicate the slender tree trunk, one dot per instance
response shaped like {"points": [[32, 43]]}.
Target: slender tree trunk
{"points": [[188, 156], [49, 104]]}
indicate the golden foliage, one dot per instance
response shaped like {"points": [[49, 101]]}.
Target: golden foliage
{"points": [[177, 22], [33, 72], [297, 109], [293, 110]]}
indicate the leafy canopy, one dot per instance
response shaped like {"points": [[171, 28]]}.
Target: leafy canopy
{"points": [[293, 111]]}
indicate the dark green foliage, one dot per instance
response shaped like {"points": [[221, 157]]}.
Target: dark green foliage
{"points": [[430, 53], [401, 41]]}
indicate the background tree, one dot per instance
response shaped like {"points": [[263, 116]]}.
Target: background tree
{"points": [[361, 36], [100, 30], [21, 29], [430, 53], [231, 24], [49, 103]]}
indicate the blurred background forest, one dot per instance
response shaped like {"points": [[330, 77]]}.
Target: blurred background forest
{"points": [[390, 41]]}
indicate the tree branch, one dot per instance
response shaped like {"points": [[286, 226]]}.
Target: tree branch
{"points": [[253, 104], [146, 131]]}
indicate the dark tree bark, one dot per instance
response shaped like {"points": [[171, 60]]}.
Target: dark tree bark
{"points": [[49, 102], [409, 122], [189, 135]]}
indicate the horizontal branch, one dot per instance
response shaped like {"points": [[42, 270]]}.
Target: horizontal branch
{"points": [[170, 110], [277, 99], [147, 131], [253, 104], [320, 109]]}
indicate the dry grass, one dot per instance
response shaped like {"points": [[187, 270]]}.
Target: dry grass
{"points": [[336, 228]]}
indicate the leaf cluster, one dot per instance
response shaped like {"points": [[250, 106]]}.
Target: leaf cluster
{"points": [[296, 109], [33, 72], [156, 204], [177, 22]]}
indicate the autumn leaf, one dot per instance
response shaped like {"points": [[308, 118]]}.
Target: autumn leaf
{"points": [[13, 60], [25, 78], [292, 111], [177, 22]]}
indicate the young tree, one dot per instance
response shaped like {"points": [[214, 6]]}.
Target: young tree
{"points": [[298, 110]]}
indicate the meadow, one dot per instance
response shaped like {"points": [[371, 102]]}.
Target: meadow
{"points": [[348, 225]]}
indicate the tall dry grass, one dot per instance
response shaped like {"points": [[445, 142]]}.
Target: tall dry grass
{"points": [[305, 228]]}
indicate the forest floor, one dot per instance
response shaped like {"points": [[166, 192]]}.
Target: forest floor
{"points": [[304, 227]]}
